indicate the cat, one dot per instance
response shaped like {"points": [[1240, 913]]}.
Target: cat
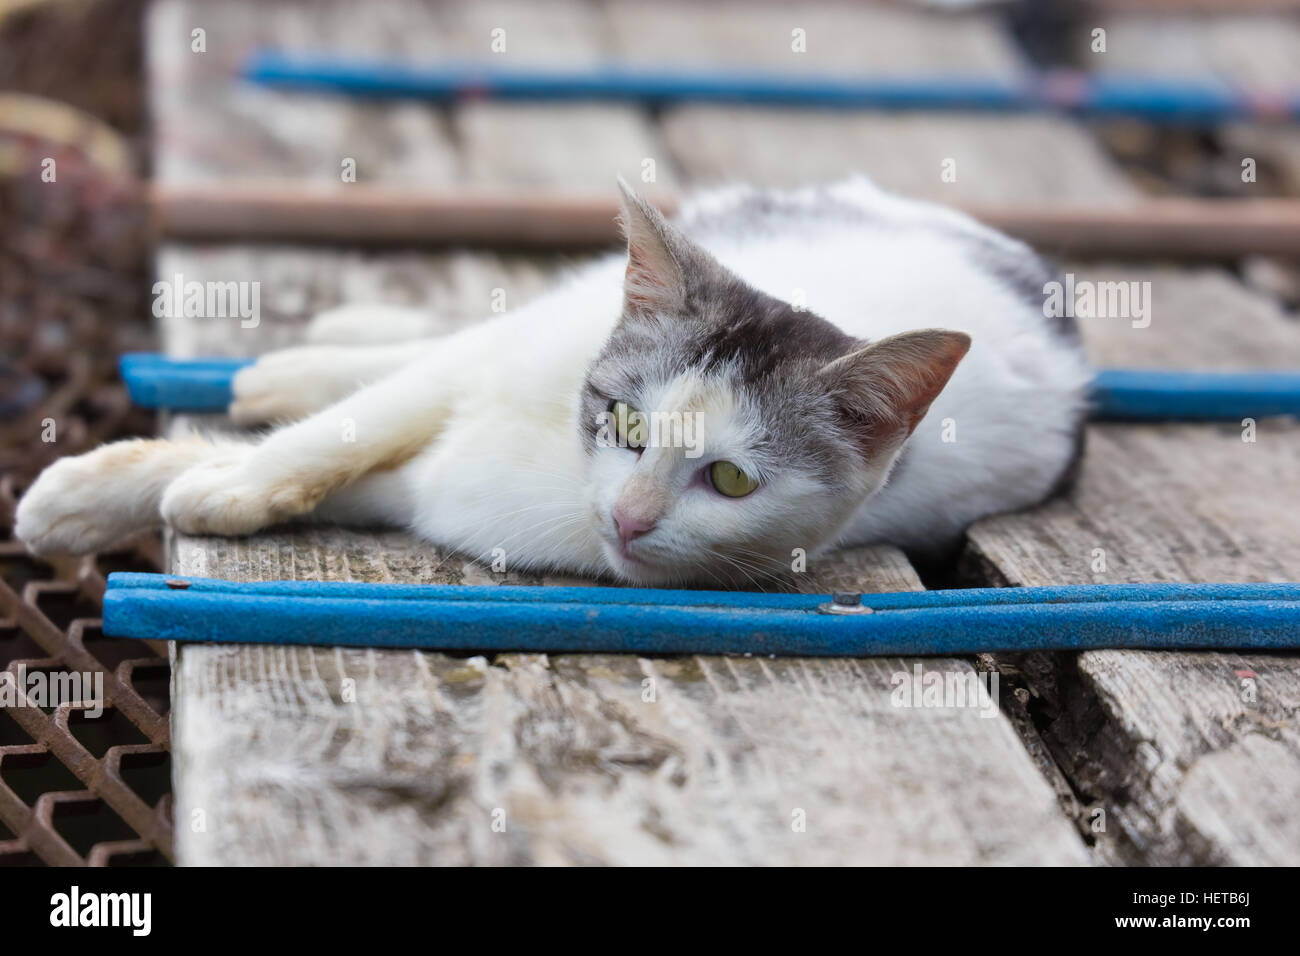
{"points": [[773, 373]]}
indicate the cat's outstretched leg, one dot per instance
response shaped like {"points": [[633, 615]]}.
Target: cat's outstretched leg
{"points": [[86, 503], [293, 469], [295, 382], [373, 324], [350, 346]]}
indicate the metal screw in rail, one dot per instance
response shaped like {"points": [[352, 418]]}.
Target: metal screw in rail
{"points": [[845, 602]]}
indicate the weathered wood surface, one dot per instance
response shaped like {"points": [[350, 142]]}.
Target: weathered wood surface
{"points": [[837, 37], [1186, 503], [209, 126], [296, 283], [1009, 159], [1187, 770], [1257, 51], [280, 765], [591, 758], [1200, 317], [1191, 503], [1003, 158], [1192, 758]]}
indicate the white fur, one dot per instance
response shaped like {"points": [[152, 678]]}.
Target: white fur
{"points": [[472, 440]]}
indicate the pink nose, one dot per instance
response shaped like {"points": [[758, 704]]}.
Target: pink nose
{"points": [[630, 528]]}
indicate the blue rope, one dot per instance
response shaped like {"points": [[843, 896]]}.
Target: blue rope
{"points": [[203, 385], [1171, 101], [649, 621]]}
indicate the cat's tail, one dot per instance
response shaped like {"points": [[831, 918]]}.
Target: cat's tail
{"points": [[85, 503]]}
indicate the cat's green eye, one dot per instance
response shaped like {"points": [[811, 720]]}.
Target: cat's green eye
{"points": [[629, 425], [730, 480]]}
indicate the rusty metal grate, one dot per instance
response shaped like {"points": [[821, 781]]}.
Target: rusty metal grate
{"points": [[75, 789]]}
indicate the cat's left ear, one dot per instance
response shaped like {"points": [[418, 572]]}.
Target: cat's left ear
{"points": [[884, 390], [657, 256]]}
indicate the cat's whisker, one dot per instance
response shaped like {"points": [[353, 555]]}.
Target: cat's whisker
{"points": [[563, 519], [766, 564], [739, 567], [533, 507]]}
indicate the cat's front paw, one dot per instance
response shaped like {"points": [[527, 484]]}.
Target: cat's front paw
{"points": [[70, 509], [227, 498], [371, 325], [291, 384]]}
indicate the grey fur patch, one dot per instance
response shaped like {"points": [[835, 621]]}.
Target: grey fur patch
{"points": [[1026, 273], [762, 350], [759, 211]]}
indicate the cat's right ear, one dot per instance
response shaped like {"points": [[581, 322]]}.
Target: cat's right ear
{"points": [[884, 389], [656, 277]]}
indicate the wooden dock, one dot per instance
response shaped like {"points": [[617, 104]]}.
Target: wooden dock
{"points": [[335, 756]]}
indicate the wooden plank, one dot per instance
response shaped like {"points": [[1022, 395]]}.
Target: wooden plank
{"points": [[556, 145], [870, 37], [1007, 159], [282, 762], [561, 146], [296, 283], [306, 137], [208, 124], [1200, 318], [1192, 760], [1257, 51], [1254, 50]]}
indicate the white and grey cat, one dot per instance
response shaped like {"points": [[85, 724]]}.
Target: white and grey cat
{"points": [[792, 345]]}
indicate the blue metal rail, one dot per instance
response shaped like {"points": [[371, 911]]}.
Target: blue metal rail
{"points": [[183, 385], [203, 385], [652, 621], [1131, 394], [1156, 100]]}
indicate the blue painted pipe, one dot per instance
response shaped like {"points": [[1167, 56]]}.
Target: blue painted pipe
{"points": [[203, 385], [1131, 394], [1171, 101], [123, 581], [191, 385], [610, 82], [647, 621]]}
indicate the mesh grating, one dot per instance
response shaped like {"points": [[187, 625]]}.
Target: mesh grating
{"points": [[85, 781], [77, 786]]}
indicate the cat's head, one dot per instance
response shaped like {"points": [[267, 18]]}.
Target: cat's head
{"points": [[725, 429]]}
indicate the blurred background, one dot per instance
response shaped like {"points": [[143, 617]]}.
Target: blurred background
{"points": [[130, 98]]}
